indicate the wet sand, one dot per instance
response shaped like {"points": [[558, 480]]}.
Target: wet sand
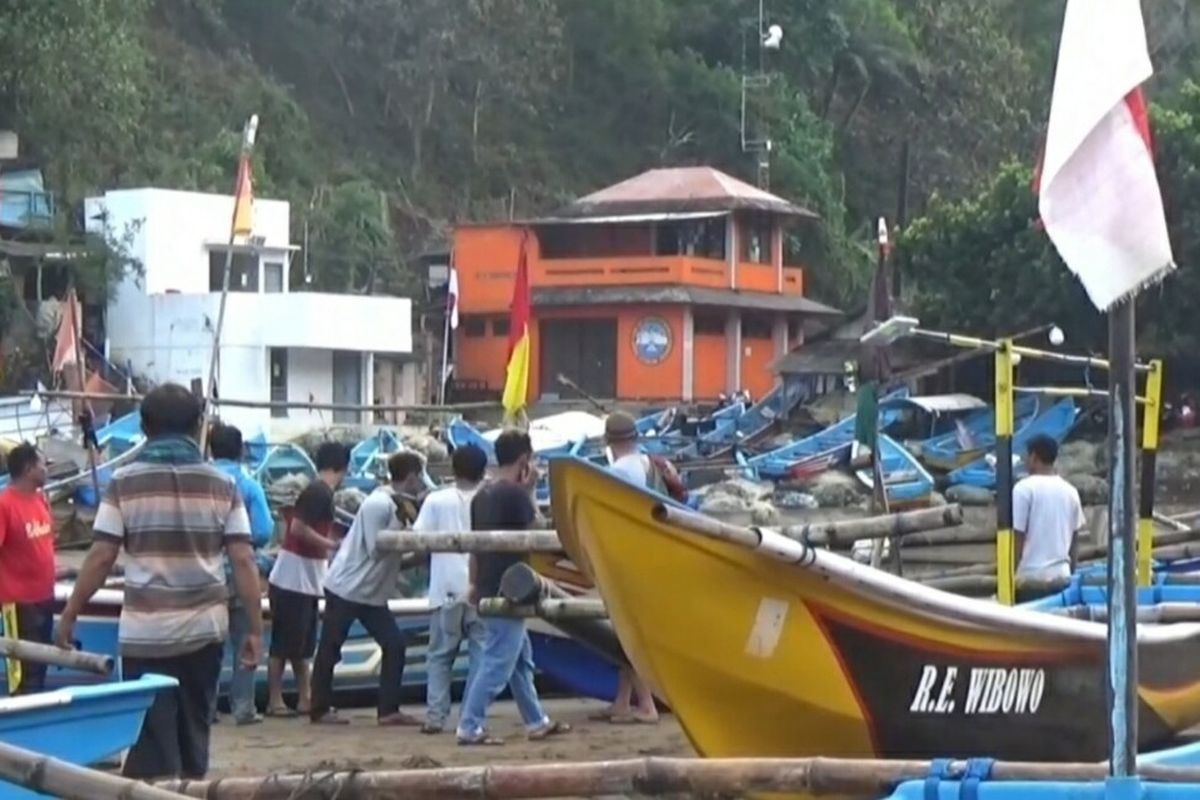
{"points": [[293, 745]]}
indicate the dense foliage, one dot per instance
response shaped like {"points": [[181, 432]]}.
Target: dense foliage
{"points": [[384, 121]]}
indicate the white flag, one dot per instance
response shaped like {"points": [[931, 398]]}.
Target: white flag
{"points": [[452, 299], [1099, 197]]}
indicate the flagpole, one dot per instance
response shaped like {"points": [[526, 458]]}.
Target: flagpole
{"points": [[248, 134], [445, 356], [77, 330], [1122, 562]]}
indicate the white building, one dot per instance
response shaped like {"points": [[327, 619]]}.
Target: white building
{"points": [[276, 344]]}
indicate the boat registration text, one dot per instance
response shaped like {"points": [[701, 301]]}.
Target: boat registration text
{"points": [[978, 690]]}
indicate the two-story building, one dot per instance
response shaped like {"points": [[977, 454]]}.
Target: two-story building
{"points": [[668, 286], [278, 342]]}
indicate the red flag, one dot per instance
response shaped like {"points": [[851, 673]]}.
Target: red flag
{"points": [[66, 344], [516, 382]]}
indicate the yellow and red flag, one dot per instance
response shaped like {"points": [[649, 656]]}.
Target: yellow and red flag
{"points": [[243, 203], [516, 382]]}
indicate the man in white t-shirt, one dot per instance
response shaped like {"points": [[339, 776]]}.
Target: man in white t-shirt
{"points": [[452, 617], [1046, 516], [620, 434]]}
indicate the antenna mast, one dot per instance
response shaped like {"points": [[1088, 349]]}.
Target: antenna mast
{"points": [[756, 81]]}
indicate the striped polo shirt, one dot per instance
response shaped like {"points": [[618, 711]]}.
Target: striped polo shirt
{"points": [[173, 521]]}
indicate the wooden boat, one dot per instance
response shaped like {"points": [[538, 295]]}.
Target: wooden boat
{"points": [[764, 646], [80, 724], [1056, 422], [971, 437], [817, 452], [269, 463], [908, 484], [96, 632]]}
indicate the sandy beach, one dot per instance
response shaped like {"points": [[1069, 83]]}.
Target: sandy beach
{"points": [[293, 745]]}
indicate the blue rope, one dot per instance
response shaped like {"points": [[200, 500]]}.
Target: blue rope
{"points": [[939, 770], [978, 769]]}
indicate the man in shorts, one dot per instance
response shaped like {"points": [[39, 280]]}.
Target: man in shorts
{"points": [[297, 581]]}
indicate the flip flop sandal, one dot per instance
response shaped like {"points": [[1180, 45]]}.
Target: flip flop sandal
{"points": [[604, 715], [482, 740], [633, 719], [281, 713], [329, 719], [429, 729], [554, 728], [398, 719]]}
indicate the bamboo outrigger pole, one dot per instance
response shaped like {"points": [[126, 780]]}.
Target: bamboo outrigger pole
{"points": [[652, 776], [248, 134], [57, 778], [36, 653]]}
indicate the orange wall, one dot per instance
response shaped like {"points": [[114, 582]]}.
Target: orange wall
{"points": [[757, 355], [709, 373], [481, 358], [486, 260]]}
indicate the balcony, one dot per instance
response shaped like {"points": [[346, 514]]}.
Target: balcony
{"points": [[26, 209], [632, 270]]}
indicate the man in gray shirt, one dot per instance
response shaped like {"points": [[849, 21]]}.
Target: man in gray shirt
{"points": [[359, 584]]}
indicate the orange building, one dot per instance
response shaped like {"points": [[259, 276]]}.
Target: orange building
{"points": [[668, 286]]}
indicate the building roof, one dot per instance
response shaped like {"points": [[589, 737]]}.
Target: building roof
{"points": [[552, 296], [680, 189]]}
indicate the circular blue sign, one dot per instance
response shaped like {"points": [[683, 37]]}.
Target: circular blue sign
{"points": [[652, 340]]}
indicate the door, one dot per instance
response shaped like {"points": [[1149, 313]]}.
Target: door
{"points": [[584, 350], [347, 384], [279, 380]]}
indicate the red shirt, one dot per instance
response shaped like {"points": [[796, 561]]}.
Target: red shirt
{"points": [[27, 564]]}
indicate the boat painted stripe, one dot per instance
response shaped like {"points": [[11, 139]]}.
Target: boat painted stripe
{"points": [[767, 628], [864, 711]]}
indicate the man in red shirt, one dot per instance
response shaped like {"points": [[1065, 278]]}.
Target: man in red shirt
{"points": [[26, 563]]}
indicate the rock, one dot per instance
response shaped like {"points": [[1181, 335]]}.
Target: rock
{"points": [[967, 495], [762, 513], [1093, 491], [795, 500], [1081, 457]]}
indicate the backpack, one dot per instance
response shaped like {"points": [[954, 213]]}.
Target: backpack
{"points": [[662, 477]]}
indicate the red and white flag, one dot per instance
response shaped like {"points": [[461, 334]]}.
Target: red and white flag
{"points": [[66, 343], [1099, 196], [452, 299]]}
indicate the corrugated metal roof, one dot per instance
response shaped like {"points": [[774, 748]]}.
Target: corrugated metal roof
{"points": [[681, 189], [724, 298]]}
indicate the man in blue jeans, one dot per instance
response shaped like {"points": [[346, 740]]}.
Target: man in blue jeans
{"points": [[452, 618], [225, 446], [505, 503]]}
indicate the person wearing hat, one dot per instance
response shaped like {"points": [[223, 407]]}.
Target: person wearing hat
{"points": [[628, 461]]}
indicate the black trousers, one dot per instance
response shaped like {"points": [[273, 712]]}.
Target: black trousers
{"points": [[340, 616], [174, 738], [33, 622]]}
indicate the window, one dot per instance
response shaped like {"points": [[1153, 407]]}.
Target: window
{"points": [[704, 238], [474, 327], [278, 367], [243, 271], [709, 325], [757, 328], [501, 327], [272, 277], [756, 239]]}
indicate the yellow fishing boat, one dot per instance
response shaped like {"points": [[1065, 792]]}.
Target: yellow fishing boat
{"points": [[764, 646]]}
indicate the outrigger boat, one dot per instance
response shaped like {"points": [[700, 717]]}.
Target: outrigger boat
{"points": [[80, 725], [972, 436], [1056, 422], [907, 483], [818, 452], [813, 654]]}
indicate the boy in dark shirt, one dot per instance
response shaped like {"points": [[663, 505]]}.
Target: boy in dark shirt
{"points": [[504, 504]]}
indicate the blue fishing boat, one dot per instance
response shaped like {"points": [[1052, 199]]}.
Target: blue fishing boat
{"points": [[269, 463], [977, 784], [96, 632], [973, 437], [906, 481], [368, 460], [79, 724], [1055, 422], [819, 451]]}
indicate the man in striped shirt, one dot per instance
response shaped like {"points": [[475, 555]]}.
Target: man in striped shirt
{"points": [[177, 518]]}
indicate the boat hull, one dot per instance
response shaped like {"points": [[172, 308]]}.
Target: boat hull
{"points": [[758, 657], [80, 725]]}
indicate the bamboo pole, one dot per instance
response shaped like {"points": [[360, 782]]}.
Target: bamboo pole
{"points": [[651, 776], [36, 653], [51, 776], [551, 610], [534, 541], [844, 533]]}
